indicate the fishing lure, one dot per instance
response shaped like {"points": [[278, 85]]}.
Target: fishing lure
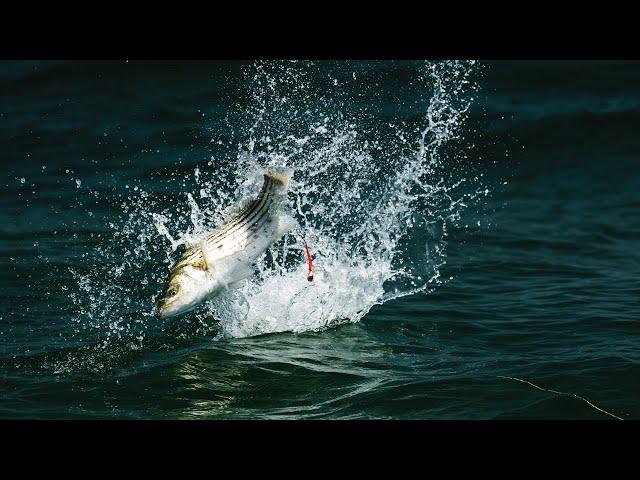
{"points": [[310, 259]]}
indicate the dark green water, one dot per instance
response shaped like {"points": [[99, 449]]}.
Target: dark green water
{"points": [[526, 251]]}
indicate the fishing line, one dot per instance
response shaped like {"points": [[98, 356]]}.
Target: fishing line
{"points": [[562, 393]]}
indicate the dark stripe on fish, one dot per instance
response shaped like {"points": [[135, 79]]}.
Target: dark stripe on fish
{"points": [[242, 219], [257, 210], [235, 227]]}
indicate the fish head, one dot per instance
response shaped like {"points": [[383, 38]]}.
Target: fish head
{"points": [[186, 288]]}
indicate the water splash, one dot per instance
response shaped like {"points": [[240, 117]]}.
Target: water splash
{"points": [[376, 219], [374, 193]]}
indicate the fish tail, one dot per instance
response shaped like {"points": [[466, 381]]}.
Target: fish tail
{"points": [[280, 180]]}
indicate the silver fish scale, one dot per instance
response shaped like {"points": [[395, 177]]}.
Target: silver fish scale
{"points": [[238, 232]]}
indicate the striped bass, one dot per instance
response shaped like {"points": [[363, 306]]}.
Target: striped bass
{"points": [[225, 257]]}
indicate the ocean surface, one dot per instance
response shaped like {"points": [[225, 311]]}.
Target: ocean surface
{"points": [[476, 226]]}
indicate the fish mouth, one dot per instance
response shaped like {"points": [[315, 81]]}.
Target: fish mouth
{"points": [[160, 310], [160, 313], [166, 309]]}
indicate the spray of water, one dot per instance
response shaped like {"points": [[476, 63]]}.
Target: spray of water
{"points": [[374, 193]]}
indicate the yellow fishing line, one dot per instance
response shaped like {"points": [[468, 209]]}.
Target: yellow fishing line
{"points": [[562, 393]]}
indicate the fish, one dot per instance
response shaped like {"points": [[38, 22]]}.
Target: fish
{"points": [[226, 256]]}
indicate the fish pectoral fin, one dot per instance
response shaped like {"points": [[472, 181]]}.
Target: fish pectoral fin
{"points": [[207, 259], [285, 224], [201, 264]]}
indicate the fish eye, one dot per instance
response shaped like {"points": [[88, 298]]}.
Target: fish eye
{"points": [[173, 292]]}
